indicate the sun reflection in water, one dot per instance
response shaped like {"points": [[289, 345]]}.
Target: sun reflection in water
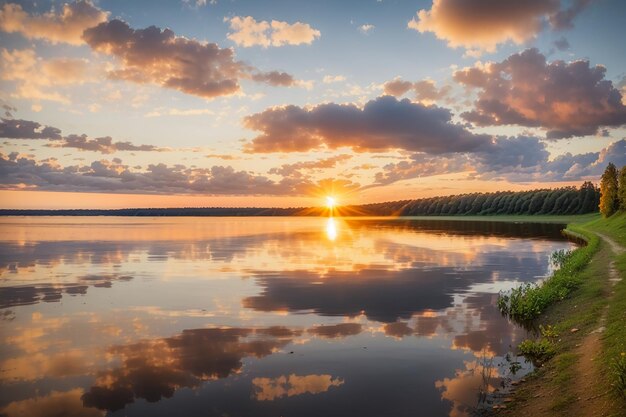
{"points": [[331, 229]]}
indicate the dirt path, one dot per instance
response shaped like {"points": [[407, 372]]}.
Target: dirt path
{"points": [[588, 400], [538, 397]]}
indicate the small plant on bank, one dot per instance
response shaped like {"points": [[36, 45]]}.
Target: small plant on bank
{"points": [[618, 373], [559, 257], [526, 302], [538, 351]]}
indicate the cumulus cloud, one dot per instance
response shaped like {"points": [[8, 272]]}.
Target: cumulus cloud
{"points": [[295, 169], [329, 79], [275, 78], [103, 145], [65, 25], [39, 79], [26, 129], [381, 124], [425, 90], [113, 176], [247, 32], [515, 159], [481, 26], [366, 28], [157, 56], [565, 98]]}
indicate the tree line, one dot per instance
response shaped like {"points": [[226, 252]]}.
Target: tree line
{"points": [[564, 200], [612, 190]]}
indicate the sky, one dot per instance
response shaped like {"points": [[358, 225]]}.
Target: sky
{"points": [[111, 104]]}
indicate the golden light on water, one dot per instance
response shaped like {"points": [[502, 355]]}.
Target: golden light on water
{"points": [[331, 229]]}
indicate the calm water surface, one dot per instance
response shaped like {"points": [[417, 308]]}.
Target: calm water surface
{"points": [[258, 316]]}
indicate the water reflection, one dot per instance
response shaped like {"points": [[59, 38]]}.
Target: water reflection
{"points": [[269, 389], [265, 317], [331, 229]]}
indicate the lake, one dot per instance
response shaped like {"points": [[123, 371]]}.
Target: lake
{"points": [[276, 316]]}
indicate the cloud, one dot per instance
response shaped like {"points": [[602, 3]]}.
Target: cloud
{"points": [[566, 99], [275, 78], [381, 124], [561, 44], [481, 26], [26, 129], [103, 145], [157, 56], [19, 172], [329, 79], [38, 79], [63, 26], [366, 28], [563, 18], [294, 169], [425, 90], [515, 159], [247, 32]]}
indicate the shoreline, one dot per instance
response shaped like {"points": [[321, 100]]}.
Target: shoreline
{"points": [[579, 379]]}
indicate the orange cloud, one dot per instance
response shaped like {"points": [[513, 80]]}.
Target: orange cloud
{"points": [[481, 26], [158, 56], [38, 79], [65, 26], [246, 32], [565, 98]]}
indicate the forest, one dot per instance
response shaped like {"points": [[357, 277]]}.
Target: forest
{"points": [[565, 200]]}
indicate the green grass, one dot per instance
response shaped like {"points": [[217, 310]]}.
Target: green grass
{"points": [[614, 341], [525, 303]]}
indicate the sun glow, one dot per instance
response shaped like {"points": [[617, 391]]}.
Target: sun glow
{"points": [[331, 202]]}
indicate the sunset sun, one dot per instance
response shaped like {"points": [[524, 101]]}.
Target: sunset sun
{"points": [[331, 202]]}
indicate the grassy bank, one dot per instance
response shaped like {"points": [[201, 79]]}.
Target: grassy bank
{"points": [[563, 385]]}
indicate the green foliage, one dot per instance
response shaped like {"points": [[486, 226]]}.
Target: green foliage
{"points": [[548, 331], [621, 189], [559, 257], [618, 374], [526, 302], [538, 351], [566, 200], [609, 202]]}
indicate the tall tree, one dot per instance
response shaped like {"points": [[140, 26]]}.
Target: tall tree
{"points": [[621, 189], [608, 191]]}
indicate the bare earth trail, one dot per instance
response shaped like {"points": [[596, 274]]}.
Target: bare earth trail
{"points": [[590, 402], [587, 399]]}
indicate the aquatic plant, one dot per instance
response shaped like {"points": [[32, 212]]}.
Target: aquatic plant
{"points": [[526, 302]]}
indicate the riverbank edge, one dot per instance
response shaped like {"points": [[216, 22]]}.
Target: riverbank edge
{"points": [[552, 389]]}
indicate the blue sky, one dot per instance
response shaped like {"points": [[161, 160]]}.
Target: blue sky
{"points": [[347, 54]]}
